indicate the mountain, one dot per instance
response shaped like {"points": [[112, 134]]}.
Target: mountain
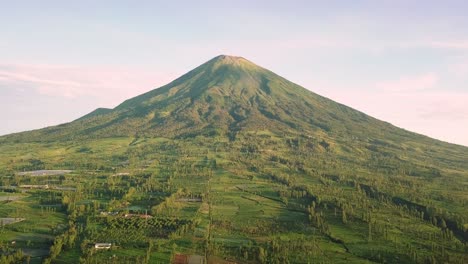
{"points": [[224, 96], [247, 166], [230, 95]]}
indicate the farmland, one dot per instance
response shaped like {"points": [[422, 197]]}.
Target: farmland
{"points": [[207, 202]]}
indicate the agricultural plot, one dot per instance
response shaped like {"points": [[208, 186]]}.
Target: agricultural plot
{"points": [[44, 172], [10, 220]]}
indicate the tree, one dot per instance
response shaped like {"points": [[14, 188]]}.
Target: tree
{"points": [[369, 234], [261, 255]]}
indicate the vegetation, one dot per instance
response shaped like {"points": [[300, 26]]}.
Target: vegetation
{"points": [[232, 162]]}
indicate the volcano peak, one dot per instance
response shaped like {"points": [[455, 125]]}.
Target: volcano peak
{"points": [[229, 60]]}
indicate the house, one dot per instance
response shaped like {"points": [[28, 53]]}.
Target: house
{"points": [[102, 245]]}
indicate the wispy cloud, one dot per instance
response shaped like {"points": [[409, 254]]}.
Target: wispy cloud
{"points": [[56, 87], [110, 83]]}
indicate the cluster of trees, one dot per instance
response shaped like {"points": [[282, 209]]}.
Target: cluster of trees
{"points": [[10, 256], [135, 230], [282, 250], [63, 241], [317, 219]]}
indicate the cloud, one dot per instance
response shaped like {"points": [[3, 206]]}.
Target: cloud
{"points": [[457, 44], [60, 87], [111, 84], [409, 83]]}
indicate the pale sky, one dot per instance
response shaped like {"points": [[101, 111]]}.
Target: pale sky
{"points": [[404, 62]]}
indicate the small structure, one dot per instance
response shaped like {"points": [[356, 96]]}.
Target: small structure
{"points": [[102, 245], [104, 213], [121, 174], [144, 216], [31, 186]]}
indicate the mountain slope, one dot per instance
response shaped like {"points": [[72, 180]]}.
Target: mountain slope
{"points": [[230, 95], [96, 112], [221, 97]]}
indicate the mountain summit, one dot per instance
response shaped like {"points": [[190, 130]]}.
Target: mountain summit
{"points": [[231, 60]]}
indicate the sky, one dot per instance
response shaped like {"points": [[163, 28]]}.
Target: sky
{"points": [[404, 62]]}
